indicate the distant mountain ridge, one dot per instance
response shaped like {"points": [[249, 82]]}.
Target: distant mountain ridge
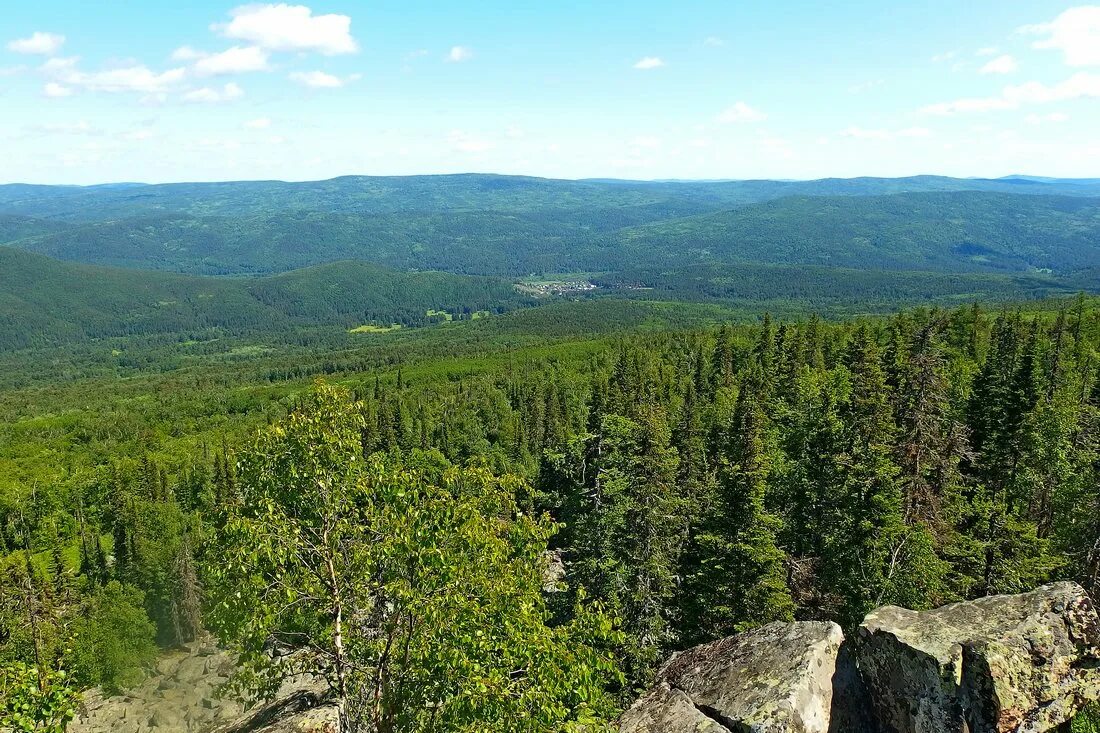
{"points": [[515, 227], [380, 194]]}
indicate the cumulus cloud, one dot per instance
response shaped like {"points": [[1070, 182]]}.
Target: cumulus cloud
{"points": [[1001, 65], [649, 62], [987, 51], [1082, 85], [136, 78], [459, 53], [186, 53], [214, 95], [56, 91], [235, 60], [1076, 33], [317, 79], [38, 43], [289, 28], [741, 112], [713, 41], [260, 123]]}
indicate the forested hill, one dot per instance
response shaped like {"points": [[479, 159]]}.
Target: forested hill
{"points": [[44, 302], [619, 226], [957, 231], [395, 194]]}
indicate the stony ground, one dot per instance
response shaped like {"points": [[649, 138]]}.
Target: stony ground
{"points": [[182, 695]]}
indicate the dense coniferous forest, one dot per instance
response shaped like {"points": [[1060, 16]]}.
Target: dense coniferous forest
{"points": [[297, 416], [701, 480]]}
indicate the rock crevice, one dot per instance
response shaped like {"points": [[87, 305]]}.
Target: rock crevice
{"points": [[1003, 664]]}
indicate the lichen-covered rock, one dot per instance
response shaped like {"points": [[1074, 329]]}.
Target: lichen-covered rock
{"points": [[1025, 663], [301, 707], [777, 678]]}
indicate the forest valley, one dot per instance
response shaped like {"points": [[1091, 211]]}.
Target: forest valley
{"points": [[389, 528]]}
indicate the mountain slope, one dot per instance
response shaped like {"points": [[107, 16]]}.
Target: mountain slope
{"points": [[960, 231], [949, 231], [43, 301], [468, 192]]}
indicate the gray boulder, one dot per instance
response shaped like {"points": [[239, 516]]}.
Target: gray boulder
{"points": [[1025, 663], [777, 678]]}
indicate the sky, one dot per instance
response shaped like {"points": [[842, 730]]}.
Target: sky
{"points": [[704, 89]]}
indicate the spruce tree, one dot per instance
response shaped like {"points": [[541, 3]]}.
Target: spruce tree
{"points": [[735, 570]]}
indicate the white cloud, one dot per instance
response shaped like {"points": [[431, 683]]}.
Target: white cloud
{"points": [[1081, 85], [317, 79], [56, 91], [941, 57], [1053, 117], [987, 51], [1076, 33], [235, 60], [213, 95], [289, 28], [260, 123], [860, 133], [1001, 65], [646, 141], [465, 143], [713, 41], [186, 53], [649, 62], [741, 112], [459, 53], [38, 43], [136, 78]]}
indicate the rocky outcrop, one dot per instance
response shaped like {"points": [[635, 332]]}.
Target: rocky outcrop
{"points": [[181, 695], [778, 677], [1022, 663], [1003, 664], [301, 707]]}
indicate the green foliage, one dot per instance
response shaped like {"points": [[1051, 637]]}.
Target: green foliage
{"points": [[417, 596], [787, 468], [115, 639], [34, 700], [736, 576], [1088, 720]]}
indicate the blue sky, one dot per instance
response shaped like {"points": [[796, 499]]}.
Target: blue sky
{"points": [[208, 90]]}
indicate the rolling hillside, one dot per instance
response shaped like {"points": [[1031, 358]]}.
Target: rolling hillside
{"points": [[470, 192], [44, 302], [959, 231]]}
